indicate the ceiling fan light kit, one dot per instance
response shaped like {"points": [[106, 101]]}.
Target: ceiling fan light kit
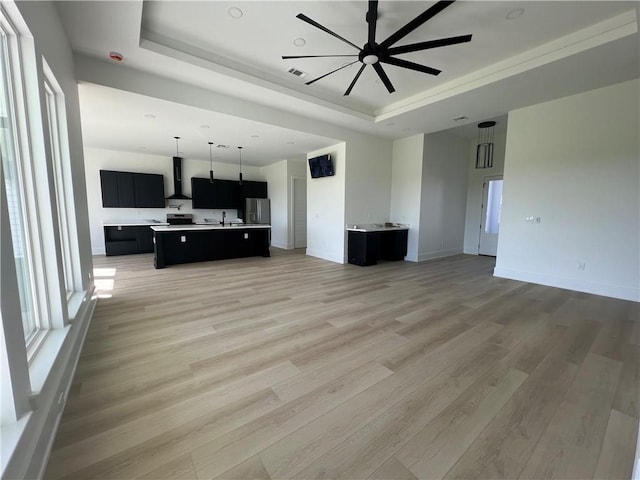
{"points": [[374, 54]]}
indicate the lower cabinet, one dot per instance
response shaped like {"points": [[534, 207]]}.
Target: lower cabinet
{"points": [[187, 246], [366, 248], [125, 240]]}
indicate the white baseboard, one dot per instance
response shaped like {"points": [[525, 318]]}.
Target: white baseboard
{"points": [[438, 254], [608, 290], [331, 256], [282, 245]]}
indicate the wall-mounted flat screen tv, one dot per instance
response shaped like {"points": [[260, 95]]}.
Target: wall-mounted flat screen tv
{"points": [[321, 166]]}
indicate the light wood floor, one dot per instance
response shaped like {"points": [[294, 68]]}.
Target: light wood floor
{"points": [[293, 367]]}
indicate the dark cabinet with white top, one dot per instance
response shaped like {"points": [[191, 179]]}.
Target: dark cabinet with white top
{"points": [[128, 239], [367, 247]]}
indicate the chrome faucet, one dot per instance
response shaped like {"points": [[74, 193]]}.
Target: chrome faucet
{"points": [[224, 214]]}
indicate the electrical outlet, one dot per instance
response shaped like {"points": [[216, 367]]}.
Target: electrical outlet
{"points": [[528, 219], [538, 219], [183, 238]]}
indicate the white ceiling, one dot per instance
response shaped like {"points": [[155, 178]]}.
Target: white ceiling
{"points": [[554, 49]]}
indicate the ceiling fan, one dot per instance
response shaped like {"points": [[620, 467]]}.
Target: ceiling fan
{"points": [[374, 54]]}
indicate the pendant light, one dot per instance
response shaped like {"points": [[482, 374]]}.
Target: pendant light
{"points": [[240, 176], [210, 163], [484, 150]]}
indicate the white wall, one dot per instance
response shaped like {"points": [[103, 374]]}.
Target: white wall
{"points": [[99, 159], [574, 162], [368, 180], [406, 188], [444, 196], [278, 184], [474, 190], [326, 208]]}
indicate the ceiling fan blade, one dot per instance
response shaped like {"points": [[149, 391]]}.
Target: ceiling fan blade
{"points": [[398, 62], [355, 79], [333, 71], [415, 47], [416, 22], [383, 76], [314, 56], [372, 20], [304, 18]]}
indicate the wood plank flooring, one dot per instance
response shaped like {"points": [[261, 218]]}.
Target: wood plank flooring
{"points": [[294, 367]]}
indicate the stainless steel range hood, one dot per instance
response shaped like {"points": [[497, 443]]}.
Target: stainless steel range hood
{"points": [[177, 181]]}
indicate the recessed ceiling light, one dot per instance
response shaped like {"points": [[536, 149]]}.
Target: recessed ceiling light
{"points": [[300, 42], [290, 143], [513, 14], [205, 126], [148, 115], [390, 124], [235, 12], [255, 136]]}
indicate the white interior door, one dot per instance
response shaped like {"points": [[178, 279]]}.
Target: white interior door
{"points": [[299, 213], [490, 216]]}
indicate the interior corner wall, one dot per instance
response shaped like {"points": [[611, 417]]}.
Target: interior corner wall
{"points": [[406, 188], [574, 163], [475, 178], [444, 196], [276, 175], [100, 159], [326, 208]]}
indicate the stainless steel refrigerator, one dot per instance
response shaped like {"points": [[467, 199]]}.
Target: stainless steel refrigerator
{"points": [[258, 211]]}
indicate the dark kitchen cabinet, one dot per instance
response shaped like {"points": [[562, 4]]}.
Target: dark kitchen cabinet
{"points": [[251, 189], [363, 248], [366, 248], [148, 190], [393, 244], [219, 194], [227, 194], [186, 246], [131, 190], [125, 240], [109, 187]]}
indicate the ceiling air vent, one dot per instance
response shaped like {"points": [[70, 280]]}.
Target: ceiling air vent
{"points": [[297, 73], [222, 146]]}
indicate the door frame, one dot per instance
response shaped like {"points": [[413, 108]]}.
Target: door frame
{"points": [[485, 185]]}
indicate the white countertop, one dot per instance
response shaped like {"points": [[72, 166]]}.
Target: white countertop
{"points": [[132, 223], [177, 228], [377, 227]]}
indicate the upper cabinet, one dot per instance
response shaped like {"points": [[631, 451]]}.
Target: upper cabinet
{"points": [[132, 190], [216, 195], [252, 189]]}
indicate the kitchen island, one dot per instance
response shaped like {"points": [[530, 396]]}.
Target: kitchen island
{"points": [[177, 244]]}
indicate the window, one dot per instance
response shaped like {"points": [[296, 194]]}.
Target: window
{"points": [[15, 189], [60, 163]]}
